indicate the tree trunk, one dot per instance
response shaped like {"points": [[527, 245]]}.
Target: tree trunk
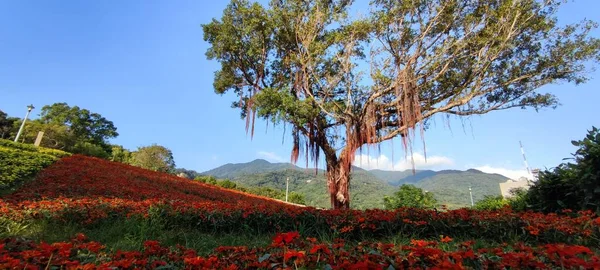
{"points": [[338, 183]]}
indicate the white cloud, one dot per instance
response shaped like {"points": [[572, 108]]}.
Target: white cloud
{"points": [[512, 174], [384, 163], [270, 156]]}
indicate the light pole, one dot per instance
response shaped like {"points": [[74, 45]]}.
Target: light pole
{"points": [[471, 194], [29, 109], [287, 184]]}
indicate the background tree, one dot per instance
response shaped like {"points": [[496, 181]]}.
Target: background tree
{"points": [[154, 157], [85, 126], [410, 196], [120, 154], [6, 125], [56, 136], [345, 83]]}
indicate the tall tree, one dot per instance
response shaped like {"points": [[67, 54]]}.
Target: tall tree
{"points": [[344, 83], [85, 126], [154, 157]]}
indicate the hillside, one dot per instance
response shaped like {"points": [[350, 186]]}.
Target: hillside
{"points": [[451, 187], [79, 177], [367, 188]]}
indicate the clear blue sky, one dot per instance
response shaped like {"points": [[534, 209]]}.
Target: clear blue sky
{"points": [[141, 64]]}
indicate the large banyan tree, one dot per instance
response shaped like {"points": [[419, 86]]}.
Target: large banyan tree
{"points": [[347, 82]]}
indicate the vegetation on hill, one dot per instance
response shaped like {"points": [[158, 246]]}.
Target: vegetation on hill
{"points": [[369, 187], [410, 196], [19, 162], [452, 187], [368, 191]]}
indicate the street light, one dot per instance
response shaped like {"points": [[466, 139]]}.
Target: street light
{"points": [[29, 109], [471, 194]]}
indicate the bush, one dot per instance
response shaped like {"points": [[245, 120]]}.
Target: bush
{"points": [[491, 203], [409, 196], [33, 148], [90, 149], [574, 186], [226, 184], [18, 165]]}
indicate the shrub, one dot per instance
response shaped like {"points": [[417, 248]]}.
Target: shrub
{"points": [[574, 186], [33, 148], [409, 196], [226, 184], [491, 203], [18, 165]]}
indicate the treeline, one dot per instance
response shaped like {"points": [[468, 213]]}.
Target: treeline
{"points": [[293, 197], [79, 131]]}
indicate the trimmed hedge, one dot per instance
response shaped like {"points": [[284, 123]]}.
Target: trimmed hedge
{"points": [[33, 148], [20, 161]]}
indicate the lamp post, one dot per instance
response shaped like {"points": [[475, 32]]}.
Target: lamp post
{"points": [[471, 194], [29, 109]]}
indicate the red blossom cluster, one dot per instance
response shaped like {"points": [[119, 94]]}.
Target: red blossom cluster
{"points": [[87, 190], [289, 251]]}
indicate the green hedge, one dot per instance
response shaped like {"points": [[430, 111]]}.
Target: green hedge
{"points": [[20, 161], [33, 148], [17, 165]]}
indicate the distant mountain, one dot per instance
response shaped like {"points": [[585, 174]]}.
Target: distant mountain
{"points": [[367, 188], [233, 170], [451, 187]]}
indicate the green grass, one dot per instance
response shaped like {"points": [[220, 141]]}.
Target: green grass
{"points": [[130, 234]]}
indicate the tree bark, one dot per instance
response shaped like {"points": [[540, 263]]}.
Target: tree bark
{"points": [[338, 183]]}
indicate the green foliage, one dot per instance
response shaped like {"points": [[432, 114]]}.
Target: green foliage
{"points": [[33, 148], [518, 201], [574, 186], [452, 187], [18, 162], [409, 196], [6, 125], [17, 165], [83, 125], [492, 203], [120, 154], [303, 63], [154, 157], [226, 184], [90, 149]]}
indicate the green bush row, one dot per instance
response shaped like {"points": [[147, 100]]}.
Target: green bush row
{"points": [[17, 165], [33, 148]]}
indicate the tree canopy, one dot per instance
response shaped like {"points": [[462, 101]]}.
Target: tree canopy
{"points": [[85, 126], [409, 196], [154, 157], [343, 82]]}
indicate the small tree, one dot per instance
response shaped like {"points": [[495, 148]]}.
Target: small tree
{"points": [[154, 157], [573, 186], [491, 203], [344, 83], [410, 196]]}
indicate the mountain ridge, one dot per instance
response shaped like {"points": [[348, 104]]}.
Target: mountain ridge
{"points": [[367, 187]]}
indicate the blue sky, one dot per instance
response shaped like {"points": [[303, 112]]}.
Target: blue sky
{"points": [[141, 64]]}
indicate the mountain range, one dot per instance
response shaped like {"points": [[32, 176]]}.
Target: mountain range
{"points": [[367, 187]]}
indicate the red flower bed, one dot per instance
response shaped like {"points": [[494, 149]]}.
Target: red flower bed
{"points": [[87, 190], [288, 251]]}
